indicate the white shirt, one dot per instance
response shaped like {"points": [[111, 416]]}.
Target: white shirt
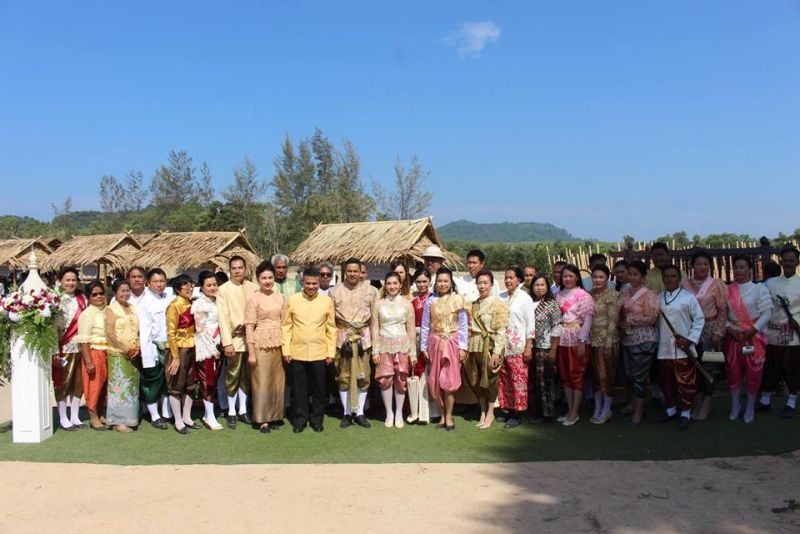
{"points": [[686, 317], [467, 287], [779, 332], [757, 302], [554, 289], [520, 321], [152, 313]]}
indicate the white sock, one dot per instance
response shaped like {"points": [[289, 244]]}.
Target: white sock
{"points": [[765, 398], [62, 414], [607, 400], [75, 416], [386, 394], [242, 402], [362, 399], [232, 404], [209, 406], [345, 396], [399, 400], [175, 404], [598, 404], [736, 404], [187, 409], [671, 411], [153, 409], [687, 414], [166, 408], [791, 401], [655, 389]]}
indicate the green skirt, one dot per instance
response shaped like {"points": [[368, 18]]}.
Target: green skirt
{"points": [[122, 407]]}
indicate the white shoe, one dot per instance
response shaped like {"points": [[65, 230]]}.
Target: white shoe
{"points": [[212, 424], [389, 423], [567, 422], [561, 419], [398, 422]]}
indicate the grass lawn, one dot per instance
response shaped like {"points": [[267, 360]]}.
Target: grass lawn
{"points": [[585, 441]]}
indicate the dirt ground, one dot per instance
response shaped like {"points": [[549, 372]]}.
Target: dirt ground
{"points": [[733, 495], [719, 496]]}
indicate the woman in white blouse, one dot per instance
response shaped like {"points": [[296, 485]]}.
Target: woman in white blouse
{"points": [[749, 312], [513, 390], [207, 340], [393, 346]]}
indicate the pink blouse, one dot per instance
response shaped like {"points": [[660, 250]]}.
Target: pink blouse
{"points": [[577, 312]]}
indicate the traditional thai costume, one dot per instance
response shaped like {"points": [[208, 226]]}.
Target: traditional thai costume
{"points": [[152, 314], [513, 379], [231, 300], [420, 405], [604, 338], [677, 373], [206, 346], [783, 342], [489, 321], [640, 342], [122, 334], [180, 342], [92, 330], [67, 380], [444, 331], [542, 373], [263, 315], [577, 310], [749, 306], [353, 343], [712, 294]]}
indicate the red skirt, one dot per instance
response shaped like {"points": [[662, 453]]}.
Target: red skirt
{"points": [[513, 391]]}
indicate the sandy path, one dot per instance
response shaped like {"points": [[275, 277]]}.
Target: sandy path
{"points": [[732, 495]]}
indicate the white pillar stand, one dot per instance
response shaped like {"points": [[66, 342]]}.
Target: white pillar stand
{"points": [[32, 413]]}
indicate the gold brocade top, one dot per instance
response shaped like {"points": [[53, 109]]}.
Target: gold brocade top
{"points": [[444, 313], [180, 325], [92, 328], [392, 326], [308, 332], [493, 314], [263, 315], [607, 305], [353, 310], [122, 327]]}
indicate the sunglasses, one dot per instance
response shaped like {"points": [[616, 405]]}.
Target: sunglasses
{"points": [[101, 294], [326, 275]]}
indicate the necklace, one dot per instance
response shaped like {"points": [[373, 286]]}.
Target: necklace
{"points": [[668, 302]]}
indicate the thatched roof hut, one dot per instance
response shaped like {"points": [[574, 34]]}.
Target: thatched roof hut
{"points": [[113, 251], [15, 253], [188, 251], [372, 242]]}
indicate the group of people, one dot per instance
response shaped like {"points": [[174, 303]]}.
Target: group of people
{"points": [[281, 348]]}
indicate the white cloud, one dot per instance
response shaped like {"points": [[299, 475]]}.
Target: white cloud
{"points": [[472, 37]]}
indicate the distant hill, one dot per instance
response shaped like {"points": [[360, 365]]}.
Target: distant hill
{"points": [[503, 232]]}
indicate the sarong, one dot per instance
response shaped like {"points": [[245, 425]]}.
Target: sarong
{"points": [[604, 367], [268, 382], [94, 386], [481, 377], [70, 383], [237, 374], [392, 370], [513, 390], [182, 381], [122, 407], [152, 383], [542, 384], [571, 367], [638, 361], [678, 382], [444, 374], [206, 374]]}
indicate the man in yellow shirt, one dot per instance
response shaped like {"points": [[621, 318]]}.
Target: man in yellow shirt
{"points": [[308, 339], [231, 299]]}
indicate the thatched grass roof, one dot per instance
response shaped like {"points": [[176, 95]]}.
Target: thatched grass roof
{"points": [[113, 250], [181, 251], [371, 242], [15, 253]]}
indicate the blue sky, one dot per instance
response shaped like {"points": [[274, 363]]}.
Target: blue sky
{"points": [[605, 118]]}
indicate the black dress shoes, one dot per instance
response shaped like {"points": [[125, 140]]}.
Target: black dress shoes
{"points": [[183, 430], [362, 421], [347, 420], [159, 424], [299, 428], [245, 418], [231, 419], [317, 428]]}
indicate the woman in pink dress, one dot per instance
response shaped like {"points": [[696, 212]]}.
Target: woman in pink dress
{"points": [[577, 311], [443, 342]]}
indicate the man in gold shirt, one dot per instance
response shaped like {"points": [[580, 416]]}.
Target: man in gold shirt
{"points": [[353, 301], [308, 339], [231, 299], [659, 255]]}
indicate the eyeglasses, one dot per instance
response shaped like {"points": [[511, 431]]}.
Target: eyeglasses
{"points": [[326, 275]]}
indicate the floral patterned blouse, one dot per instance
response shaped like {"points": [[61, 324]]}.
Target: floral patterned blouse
{"points": [[577, 311], [520, 322], [607, 304], [641, 314]]}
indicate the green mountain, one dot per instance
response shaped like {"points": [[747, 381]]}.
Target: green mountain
{"points": [[504, 232]]}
